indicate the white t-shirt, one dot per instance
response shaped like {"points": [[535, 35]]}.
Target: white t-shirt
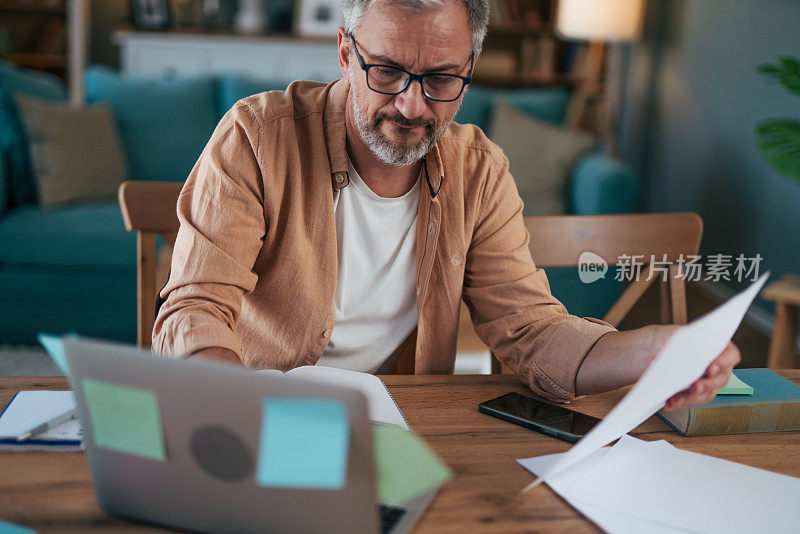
{"points": [[376, 306]]}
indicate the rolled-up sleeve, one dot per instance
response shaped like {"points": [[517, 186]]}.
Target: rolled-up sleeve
{"points": [[510, 302], [222, 228]]}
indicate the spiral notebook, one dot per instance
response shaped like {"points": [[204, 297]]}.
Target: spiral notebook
{"points": [[31, 408]]}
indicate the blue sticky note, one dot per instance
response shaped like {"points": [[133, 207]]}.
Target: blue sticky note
{"points": [[55, 348], [303, 444], [11, 528]]}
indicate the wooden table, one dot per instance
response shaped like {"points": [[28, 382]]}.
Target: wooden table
{"points": [[52, 492]]}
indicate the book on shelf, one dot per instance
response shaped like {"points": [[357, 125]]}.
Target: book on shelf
{"points": [[774, 406]]}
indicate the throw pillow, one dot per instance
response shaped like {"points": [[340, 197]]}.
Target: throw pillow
{"points": [[20, 186], [163, 124], [540, 156], [75, 151]]}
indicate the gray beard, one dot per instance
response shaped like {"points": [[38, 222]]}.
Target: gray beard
{"points": [[381, 147]]}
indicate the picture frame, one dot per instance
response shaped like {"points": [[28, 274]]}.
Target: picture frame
{"points": [[150, 14], [318, 18]]}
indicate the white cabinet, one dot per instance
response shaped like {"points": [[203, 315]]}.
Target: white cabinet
{"points": [[174, 53]]}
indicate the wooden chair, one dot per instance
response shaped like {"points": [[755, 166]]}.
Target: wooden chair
{"points": [[149, 209], [559, 240]]}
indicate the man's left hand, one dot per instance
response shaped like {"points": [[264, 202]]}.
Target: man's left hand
{"points": [[704, 389]]}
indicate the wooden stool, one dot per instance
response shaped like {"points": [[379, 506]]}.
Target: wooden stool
{"points": [[786, 294]]}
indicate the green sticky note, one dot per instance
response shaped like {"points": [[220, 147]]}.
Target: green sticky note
{"points": [[55, 348], [735, 387], [125, 419], [404, 465], [304, 443], [11, 528]]}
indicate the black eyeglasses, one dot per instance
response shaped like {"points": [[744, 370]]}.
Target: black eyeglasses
{"points": [[389, 80]]}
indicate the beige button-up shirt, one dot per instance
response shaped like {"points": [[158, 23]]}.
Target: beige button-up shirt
{"points": [[254, 267]]}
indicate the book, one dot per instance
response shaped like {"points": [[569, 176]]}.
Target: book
{"points": [[31, 408], [382, 408], [774, 406]]}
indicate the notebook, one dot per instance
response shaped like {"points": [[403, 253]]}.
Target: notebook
{"points": [[31, 408], [381, 405]]}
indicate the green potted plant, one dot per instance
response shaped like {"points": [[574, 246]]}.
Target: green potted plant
{"points": [[779, 139]]}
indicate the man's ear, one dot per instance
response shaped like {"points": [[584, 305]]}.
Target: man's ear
{"points": [[343, 43]]}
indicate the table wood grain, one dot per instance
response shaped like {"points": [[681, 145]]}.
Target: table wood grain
{"points": [[52, 492]]}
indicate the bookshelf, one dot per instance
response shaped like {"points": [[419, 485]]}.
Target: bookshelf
{"points": [[522, 49], [47, 35], [36, 34]]}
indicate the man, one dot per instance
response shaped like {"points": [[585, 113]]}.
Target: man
{"points": [[338, 223]]}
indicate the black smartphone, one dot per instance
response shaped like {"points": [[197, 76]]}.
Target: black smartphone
{"points": [[542, 416]]}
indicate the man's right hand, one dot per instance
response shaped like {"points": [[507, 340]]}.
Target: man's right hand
{"points": [[218, 354]]}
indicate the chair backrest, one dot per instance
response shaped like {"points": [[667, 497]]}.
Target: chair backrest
{"points": [[644, 239], [149, 209]]}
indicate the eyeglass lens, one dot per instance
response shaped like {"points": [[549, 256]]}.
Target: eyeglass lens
{"points": [[391, 80]]}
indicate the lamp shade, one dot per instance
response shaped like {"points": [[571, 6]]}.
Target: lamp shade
{"points": [[600, 20]]}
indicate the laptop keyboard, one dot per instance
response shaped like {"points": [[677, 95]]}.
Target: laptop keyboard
{"points": [[389, 517]]}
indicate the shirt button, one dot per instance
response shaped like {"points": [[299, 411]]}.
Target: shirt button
{"points": [[326, 333]]}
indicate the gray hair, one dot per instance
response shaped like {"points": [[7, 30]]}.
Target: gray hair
{"points": [[477, 14]]}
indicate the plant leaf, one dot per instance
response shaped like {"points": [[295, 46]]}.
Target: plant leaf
{"points": [[787, 72], [779, 143]]}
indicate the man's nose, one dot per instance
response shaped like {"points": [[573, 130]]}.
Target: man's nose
{"points": [[411, 102]]}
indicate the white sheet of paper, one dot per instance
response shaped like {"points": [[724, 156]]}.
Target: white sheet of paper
{"points": [[609, 520], [684, 359], [689, 490]]}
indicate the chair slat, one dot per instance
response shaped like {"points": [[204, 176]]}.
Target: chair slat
{"points": [[559, 240], [145, 286]]}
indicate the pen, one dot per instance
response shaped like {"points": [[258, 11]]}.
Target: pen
{"points": [[52, 423]]}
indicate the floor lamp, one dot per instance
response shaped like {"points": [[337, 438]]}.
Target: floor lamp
{"points": [[599, 22]]}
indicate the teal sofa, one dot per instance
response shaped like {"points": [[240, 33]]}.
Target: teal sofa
{"points": [[73, 268]]}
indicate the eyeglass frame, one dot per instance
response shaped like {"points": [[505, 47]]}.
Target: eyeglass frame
{"points": [[411, 76]]}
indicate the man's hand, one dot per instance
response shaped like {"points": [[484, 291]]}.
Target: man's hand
{"points": [[705, 388], [620, 358]]}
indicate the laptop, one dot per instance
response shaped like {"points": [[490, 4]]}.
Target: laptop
{"points": [[211, 417]]}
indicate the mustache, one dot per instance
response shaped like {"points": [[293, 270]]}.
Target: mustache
{"points": [[404, 121]]}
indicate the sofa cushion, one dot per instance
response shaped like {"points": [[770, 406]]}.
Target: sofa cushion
{"points": [[13, 140], [540, 157], [3, 182], [163, 124], [233, 88], [91, 302], [76, 151], [548, 104], [80, 235]]}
